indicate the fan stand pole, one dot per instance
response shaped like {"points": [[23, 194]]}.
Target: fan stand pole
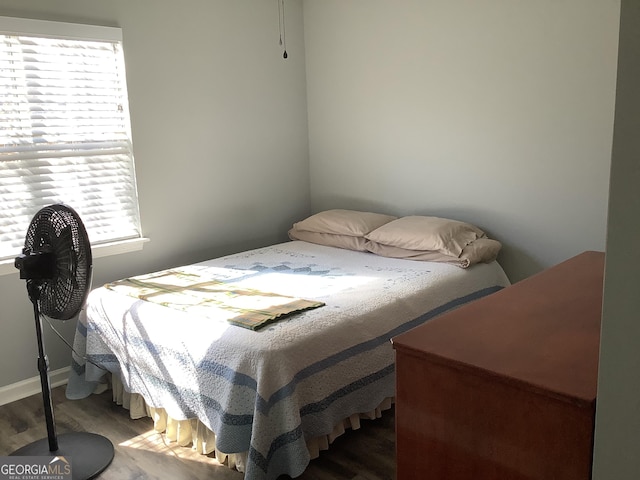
{"points": [[43, 368], [56, 255], [89, 453]]}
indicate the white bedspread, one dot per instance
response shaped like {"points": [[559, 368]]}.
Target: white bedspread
{"points": [[268, 391]]}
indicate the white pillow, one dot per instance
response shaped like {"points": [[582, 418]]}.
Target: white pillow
{"points": [[348, 242], [482, 250], [343, 222], [339, 228], [422, 233]]}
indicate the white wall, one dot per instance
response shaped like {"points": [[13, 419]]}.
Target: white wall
{"points": [[496, 112], [220, 139], [617, 439], [500, 114]]}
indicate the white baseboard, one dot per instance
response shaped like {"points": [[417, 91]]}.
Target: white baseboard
{"points": [[31, 386]]}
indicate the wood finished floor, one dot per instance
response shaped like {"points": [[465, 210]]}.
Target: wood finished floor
{"points": [[364, 454]]}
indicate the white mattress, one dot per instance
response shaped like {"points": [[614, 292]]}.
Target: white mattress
{"points": [[266, 392]]}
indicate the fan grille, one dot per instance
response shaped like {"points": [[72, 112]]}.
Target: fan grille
{"points": [[58, 229]]}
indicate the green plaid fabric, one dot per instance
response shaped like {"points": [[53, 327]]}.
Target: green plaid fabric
{"points": [[191, 292]]}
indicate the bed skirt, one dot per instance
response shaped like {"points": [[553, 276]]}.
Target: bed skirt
{"points": [[203, 440]]}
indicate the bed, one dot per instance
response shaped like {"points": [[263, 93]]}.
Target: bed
{"points": [[267, 400]]}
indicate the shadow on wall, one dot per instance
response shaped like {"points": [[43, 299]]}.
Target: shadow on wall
{"points": [[514, 259]]}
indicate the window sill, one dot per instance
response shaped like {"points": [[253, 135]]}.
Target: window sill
{"points": [[106, 249]]}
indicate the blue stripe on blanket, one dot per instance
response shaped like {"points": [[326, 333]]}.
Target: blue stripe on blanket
{"points": [[179, 392], [346, 390], [210, 403], [100, 361], [81, 328], [76, 367], [229, 374], [104, 360], [292, 436], [263, 405], [223, 371], [280, 441], [443, 308]]}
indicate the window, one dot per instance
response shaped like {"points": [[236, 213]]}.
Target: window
{"points": [[64, 130]]}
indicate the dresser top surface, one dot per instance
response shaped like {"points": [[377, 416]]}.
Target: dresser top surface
{"points": [[542, 332]]}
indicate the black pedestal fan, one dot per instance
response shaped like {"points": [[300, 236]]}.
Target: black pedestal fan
{"points": [[56, 262]]}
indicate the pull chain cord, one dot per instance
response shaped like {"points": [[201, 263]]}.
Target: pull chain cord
{"points": [[281, 25]]}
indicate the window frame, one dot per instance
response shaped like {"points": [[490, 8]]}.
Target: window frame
{"points": [[72, 31]]}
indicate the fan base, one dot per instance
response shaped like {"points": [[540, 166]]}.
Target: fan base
{"points": [[88, 453]]}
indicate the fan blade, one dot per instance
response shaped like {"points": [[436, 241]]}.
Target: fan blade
{"points": [[57, 231]]}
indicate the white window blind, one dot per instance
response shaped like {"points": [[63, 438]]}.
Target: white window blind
{"points": [[64, 130]]}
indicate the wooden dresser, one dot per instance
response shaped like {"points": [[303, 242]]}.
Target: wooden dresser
{"points": [[504, 388]]}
